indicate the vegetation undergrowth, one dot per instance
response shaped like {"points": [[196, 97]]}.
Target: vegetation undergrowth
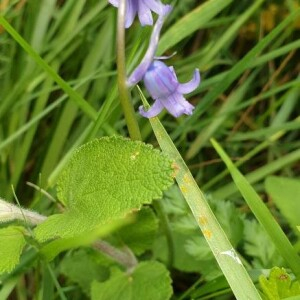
{"points": [[95, 205]]}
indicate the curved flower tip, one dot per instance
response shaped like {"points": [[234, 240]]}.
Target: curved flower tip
{"points": [[156, 108], [143, 9], [166, 9], [139, 72], [162, 84]]}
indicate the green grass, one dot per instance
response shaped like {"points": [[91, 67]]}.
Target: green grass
{"points": [[59, 90]]}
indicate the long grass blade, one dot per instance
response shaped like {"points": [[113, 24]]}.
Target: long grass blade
{"points": [[76, 97], [233, 74], [262, 213], [190, 23], [226, 256]]}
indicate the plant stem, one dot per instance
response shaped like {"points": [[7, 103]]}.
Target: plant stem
{"points": [[191, 289], [124, 257], [167, 230], [10, 212], [132, 124]]}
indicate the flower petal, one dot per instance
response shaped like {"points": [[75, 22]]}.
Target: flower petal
{"points": [[157, 6], [143, 8], [173, 72], [185, 88], [166, 9], [177, 105], [160, 81], [115, 3], [144, 13], [131, 11], [156, 108]]}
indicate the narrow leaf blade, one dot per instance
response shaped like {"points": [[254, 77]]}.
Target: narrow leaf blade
{"points": [[262, 213]]}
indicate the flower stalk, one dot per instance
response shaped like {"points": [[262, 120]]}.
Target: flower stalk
{"points": [[125, 99]]}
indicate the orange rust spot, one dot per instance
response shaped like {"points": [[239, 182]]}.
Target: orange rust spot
{"points": [[203, 220], [283, 277], [175, 167], [187, 179], [207, 233], [158, 134], [183, 189]]}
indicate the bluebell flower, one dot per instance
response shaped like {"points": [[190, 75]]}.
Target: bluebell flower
{"points": [[161, 80], [162, 84], [142, 8]]}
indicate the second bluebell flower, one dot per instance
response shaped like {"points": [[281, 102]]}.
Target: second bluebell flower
{"points": [[142, 8]]}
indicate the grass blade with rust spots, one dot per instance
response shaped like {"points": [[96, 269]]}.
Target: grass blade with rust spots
{"points": [[227, 258]]}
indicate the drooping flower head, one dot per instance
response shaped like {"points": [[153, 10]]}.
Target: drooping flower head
{"points": [[160, 80], [162, 84], [142, 8]]}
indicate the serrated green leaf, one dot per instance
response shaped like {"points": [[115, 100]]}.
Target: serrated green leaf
{"points": [[12, 242], [279, 285], [200, 252], [104, 180], [183, 260], [140, 235], [230, 219], [81, 267], [149, 281], [284, 193], [259, 246], [197, 247], [190, 252]]}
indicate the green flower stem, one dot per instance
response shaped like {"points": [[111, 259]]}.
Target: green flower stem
{"points": [[124, 94]]}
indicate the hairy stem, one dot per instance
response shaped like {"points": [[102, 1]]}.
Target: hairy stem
{"points": [[124, 257], [10, 212]]}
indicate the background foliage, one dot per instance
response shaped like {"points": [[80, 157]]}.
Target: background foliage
{"points": [[248, 100]]}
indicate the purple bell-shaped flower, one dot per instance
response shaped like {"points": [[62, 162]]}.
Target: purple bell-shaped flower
{"points": [[162, 84], [142, 8]]}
